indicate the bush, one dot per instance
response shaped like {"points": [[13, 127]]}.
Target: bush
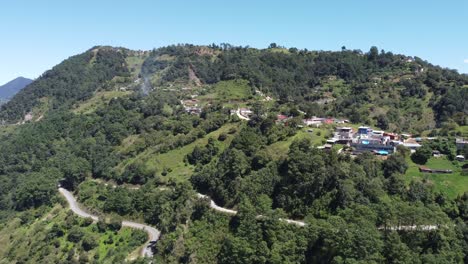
{"points": [[404, 151], [222, 137], [232, 130], [75, 235], [421, 155], [101, 224], [394, 164], [115, 223], [89, 242], [87, 221]]}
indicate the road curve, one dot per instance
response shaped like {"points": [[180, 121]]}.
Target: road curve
{"points": [[241, 116], [215, 207], [153, 233], [220, 209], [74, 205]]}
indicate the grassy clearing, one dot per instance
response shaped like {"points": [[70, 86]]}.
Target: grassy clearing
{"points": [[280, 149], [336, 86], [228, 91], [129, 144], [451, 184], [463, 130], [173, 160], [100, 98], [6, 130], [134, 64]]}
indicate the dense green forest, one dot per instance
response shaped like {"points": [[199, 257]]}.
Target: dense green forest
{"points": [[161, 156]]}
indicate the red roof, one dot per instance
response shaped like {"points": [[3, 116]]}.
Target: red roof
{"points": [[281, 117]]}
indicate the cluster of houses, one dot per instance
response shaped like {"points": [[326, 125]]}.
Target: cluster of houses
{"points": [[313, 121], [365, 139], [191, 106]]}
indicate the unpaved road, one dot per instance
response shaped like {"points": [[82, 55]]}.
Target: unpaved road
{"points": [[241, 116], [153, 233], [218, 208]]}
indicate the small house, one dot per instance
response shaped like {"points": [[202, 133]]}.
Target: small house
{"points": [[312, 122], [281, 117], [245, 112], [461, 143], [328, 121], [392, 136], [363, 130], [412, 146], [343, 135]]}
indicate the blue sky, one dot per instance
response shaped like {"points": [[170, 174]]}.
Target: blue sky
{"points": [[38, 34]]}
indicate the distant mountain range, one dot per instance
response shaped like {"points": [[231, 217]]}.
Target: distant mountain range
{"points": [[8, 90]]}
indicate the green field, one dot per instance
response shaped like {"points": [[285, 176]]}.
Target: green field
{"points": [[452, 184], [134, 64], [225, 91], [173, 160], [463, 130], [280, 149], [98, 99]]}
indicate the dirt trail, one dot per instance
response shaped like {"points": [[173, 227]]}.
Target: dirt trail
{"points": [[153, 233]]}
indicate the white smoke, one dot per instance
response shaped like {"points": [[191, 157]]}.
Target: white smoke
{"points": [[146, 85]]}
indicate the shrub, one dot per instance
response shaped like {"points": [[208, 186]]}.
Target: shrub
{"points": [[222, 137], [75, 235], [115, 223], [87, 221], [421, 155], [89, 242], [101, 224]]}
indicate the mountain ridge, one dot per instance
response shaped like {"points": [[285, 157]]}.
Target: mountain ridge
{"points": [[233, 123], [9, 89], [398, 91]]}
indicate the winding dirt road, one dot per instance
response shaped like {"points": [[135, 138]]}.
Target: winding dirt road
{"points": [[220, 209], [153, 233]]}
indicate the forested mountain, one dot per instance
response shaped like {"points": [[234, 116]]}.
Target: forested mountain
{"points": [[9, 89], [74, 79], [403, 92], [364, 87], [166, 124]]}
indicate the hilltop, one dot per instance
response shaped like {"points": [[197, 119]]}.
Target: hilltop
{"points": [[135, 135], [9, 89], [395, 91]]}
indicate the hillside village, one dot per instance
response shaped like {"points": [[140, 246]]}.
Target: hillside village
{"points": [[177, 151], [353, 140]]}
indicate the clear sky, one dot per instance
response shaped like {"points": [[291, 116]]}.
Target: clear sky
{"points": [[38, 34]]}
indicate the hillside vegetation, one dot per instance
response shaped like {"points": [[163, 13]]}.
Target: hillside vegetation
{"points": [[394, 91], [57, 236], [166, 124]]}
